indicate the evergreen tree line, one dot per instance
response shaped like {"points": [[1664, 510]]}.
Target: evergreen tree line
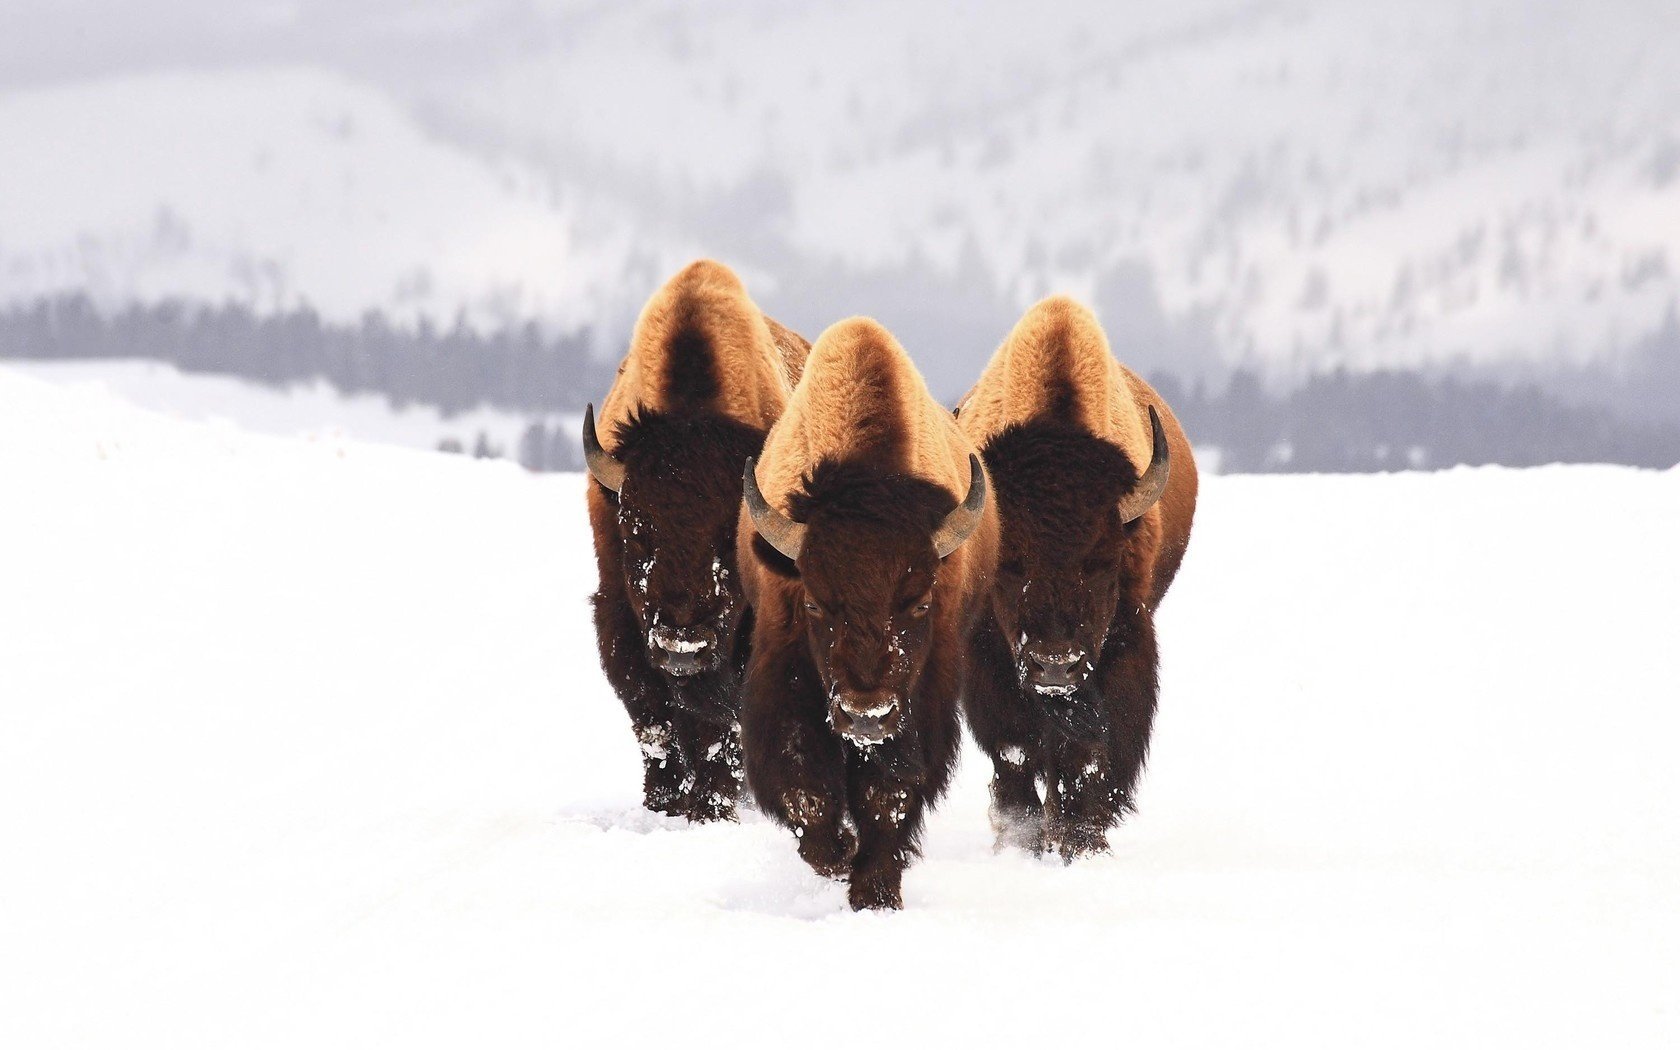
{"points": [[1338, 421], [522, 369], [1346, 422]]}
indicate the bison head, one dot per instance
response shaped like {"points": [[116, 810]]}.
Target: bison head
{"points": [[676, 482], [1070, 504], [866, 546]]}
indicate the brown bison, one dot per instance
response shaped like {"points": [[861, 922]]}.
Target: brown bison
{"points": [[867, 547], [1096, 487], [706, 375]]}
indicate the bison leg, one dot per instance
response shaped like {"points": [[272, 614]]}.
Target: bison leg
{"points": [[793, 763], [712, 757], [663, 776], [888, 812], [1093, 784], [1003, 727], [658, 723], [1081, 800]]}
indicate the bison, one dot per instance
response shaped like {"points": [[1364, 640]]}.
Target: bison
{"points": [[1096, 488], [867, 546], [705, 377]]}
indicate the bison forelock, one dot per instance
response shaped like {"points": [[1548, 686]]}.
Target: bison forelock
{"points": [[676, 517], [1062, 554]]}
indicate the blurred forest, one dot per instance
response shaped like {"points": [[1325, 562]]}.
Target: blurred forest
{"points": [[1335, 421]]}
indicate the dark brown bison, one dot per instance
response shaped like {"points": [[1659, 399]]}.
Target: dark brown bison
{"points": [[1096, 488], [867, 545], [705, 377]]}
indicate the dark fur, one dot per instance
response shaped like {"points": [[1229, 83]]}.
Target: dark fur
{"points": [[677, 513], [1071, 576], [866, 571]]}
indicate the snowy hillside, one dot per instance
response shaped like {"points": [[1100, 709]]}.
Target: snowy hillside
{"points": [[285, 186], [1296, 183], [305, 744], [1305, 182]]}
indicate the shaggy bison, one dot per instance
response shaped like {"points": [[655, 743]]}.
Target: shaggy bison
{"points": [[1096, 488], [867, 546], [705, 377]]}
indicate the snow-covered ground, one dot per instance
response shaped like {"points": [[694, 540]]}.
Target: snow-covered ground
{"points": [[304, 743]]}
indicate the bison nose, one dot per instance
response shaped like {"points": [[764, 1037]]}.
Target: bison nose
{"points": [[684, 651], [680, 639], [1052, 669], [1055, 659], [867, 716]]}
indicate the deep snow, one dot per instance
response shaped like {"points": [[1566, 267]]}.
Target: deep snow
{"points": [[305, 743]]}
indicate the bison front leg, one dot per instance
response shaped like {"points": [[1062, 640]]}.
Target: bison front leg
{"points": [[1003, 727], [663, 775], [712, 757], [647, 700], [793, 763], [888, 811], [1093, 782], [1082, 803]]}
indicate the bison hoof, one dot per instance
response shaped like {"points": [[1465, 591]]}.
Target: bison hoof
{"points": [[877, 891], [709, 810], [1074, 841], [828, 855], [1021, 829], [668, 803]]}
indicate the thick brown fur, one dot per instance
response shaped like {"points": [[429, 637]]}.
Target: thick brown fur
{"points": [[1062, 680], [871, 464], [705, 377]]}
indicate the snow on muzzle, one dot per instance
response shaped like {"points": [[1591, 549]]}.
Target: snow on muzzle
{"points": [[685, 650], [1054, 670], [866, 716]]}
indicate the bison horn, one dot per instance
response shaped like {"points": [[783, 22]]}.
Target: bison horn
{"points": [[781, 531], [1154, 481], [962, 522], [607, 470]]}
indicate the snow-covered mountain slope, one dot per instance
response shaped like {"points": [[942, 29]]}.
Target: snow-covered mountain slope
{"points": [[1293, 183], [281, 186], [305, 744], [1297, 183]]}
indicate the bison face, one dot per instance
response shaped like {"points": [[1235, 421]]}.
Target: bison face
{"points": [[678, 496], [866, 548], [867, 595], [1071, 503], [680, 581], [1055, 597]]}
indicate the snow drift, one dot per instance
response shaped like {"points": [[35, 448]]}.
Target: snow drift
{"points": [[305, 743]]}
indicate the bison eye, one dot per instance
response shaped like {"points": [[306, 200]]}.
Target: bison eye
{"points": [[921, 610]]}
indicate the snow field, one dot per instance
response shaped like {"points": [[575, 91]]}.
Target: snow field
{"points": [[306, 743]]}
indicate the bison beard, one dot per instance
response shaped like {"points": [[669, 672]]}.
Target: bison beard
{"points": [[681, 498], [1057, 489], [856, 808]]}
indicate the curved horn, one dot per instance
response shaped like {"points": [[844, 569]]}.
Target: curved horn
{"points": [[1154, 480], [779, 530], [960, 523], [607, 470]]}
